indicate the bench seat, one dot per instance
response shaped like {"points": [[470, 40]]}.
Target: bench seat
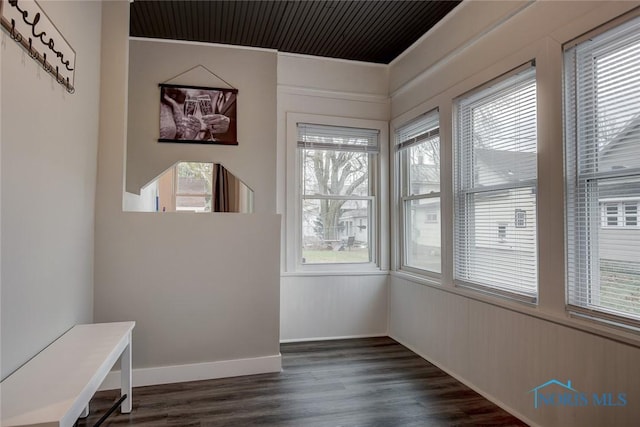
{"points": [[55, 387]]}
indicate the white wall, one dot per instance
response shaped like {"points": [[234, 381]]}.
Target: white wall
{"points": [[502, 349], [503, 354], [457, 31], [253, 160], [202, 288], [335, 305], [49, 145], [143, 202]]}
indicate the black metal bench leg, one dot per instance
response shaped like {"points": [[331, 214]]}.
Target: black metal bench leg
{"points": [[110, 411]]}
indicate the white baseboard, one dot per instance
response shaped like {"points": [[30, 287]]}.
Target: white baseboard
{"points": [[472, 386], [345, 337], [196, 371]]}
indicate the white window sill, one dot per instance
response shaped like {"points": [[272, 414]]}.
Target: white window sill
{"points": [[350, 272], [563, 318]]}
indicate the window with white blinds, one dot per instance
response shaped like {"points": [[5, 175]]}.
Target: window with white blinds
{"points": [[418, 155], [337, 190], [495, 238], [602, 155]]}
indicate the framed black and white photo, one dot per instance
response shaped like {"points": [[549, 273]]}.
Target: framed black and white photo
{"points": [[200, 115]]}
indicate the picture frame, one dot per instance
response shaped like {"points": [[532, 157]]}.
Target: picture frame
{"points": [[198, 115]]}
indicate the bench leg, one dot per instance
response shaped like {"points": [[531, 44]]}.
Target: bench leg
{"points": [[125, 378], [85, 412]]}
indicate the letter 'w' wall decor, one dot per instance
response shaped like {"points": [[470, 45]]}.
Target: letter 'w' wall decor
{"points": [[29, 26]]}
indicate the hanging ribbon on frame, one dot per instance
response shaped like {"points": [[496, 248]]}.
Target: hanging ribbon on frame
{"points": [[198, 114]]}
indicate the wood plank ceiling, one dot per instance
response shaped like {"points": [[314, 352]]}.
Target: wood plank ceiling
{"points": [[369, 31]]}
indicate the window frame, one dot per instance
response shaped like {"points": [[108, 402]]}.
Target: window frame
{"points": [[404, 194], [598, 217], [176, 194], [462, 189], [372, 178], [289, 202]]}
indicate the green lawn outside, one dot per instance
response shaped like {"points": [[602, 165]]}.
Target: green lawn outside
{"points": [[325, 256]]}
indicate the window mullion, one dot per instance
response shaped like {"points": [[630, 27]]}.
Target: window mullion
{"points": [[421, 196], [329, 197]]}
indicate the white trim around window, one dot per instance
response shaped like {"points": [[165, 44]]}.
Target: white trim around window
{"points": [[418, 178], [495, 176], [303, 193], [602, 161]]}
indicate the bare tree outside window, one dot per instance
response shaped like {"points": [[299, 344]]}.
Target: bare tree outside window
{"points": [[336, 195]]}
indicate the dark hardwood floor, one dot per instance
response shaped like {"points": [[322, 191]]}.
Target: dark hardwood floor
{"points": [[360, 382]]}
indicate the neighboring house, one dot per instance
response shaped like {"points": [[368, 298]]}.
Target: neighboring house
{"points": [[353, 223], [619, 202], [426, 218], [513, 224], [504, 221], [511, 229], [193, 194]]}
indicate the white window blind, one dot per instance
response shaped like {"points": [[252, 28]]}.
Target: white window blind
{"points": [[337, 192], [602, 154], [418, 153], [495, 239], [419, 130], [337, 138]]}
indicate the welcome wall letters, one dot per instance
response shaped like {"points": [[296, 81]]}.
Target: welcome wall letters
{"points": [[28, 25]]}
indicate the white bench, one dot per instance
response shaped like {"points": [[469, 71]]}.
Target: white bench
{"points": [[55, 387]]}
